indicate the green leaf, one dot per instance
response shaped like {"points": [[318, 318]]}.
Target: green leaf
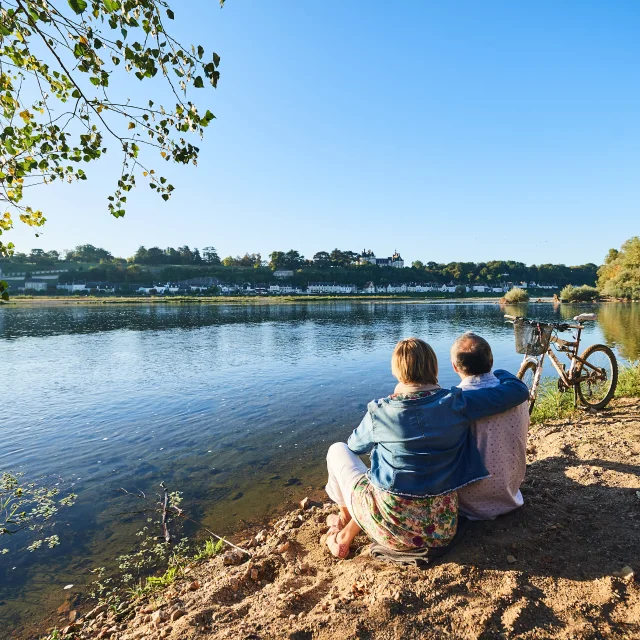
{"points": [[198, 83], [110, 5], [77, 5], [170, 14], [200, 51]]}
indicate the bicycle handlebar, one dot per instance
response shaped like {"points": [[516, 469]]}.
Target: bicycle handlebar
{"points": [[559, 326]]}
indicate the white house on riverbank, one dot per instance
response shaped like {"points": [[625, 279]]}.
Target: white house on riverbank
{"points": [[330, 287]]}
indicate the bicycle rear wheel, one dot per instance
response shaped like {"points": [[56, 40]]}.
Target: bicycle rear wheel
{"points": [[598, 376], [527, 373]]}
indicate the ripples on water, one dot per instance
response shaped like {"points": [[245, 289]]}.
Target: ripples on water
{"points": [[234, 405]]}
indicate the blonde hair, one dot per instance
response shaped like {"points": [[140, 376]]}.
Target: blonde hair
{"points": [[414, 361]]}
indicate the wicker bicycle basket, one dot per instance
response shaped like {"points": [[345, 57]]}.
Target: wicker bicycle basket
{"points": [[532, 339]]}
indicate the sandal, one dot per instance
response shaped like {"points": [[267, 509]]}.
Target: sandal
{"points": [[337, 549]]}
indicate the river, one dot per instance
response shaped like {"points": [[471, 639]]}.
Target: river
{"points": [[234, 405]]}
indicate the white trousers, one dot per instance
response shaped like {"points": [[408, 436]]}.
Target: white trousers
{"points": [[345, 469]]}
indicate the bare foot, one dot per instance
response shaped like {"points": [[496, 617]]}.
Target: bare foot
{"points": [[335, 523], [337, 549]]}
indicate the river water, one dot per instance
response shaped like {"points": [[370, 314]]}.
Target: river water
{"points": [[234, 405]]}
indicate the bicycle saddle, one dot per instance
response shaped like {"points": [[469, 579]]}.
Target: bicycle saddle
{"points": [[585, 316]]}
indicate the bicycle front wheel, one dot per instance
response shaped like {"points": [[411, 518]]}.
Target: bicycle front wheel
{"points": [[527, 373], [597, 376]]}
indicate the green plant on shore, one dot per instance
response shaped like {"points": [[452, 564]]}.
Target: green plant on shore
{"points": [[584, 293], [516, 296], [629, 381], [552, 404], [56, 634], [209, 549], [154, 564], [155, 583]]}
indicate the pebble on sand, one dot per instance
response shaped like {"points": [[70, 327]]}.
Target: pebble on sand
{"points": [[626, 573]]}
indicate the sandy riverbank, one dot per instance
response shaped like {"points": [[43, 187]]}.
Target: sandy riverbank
{"points": [[549, 570]]}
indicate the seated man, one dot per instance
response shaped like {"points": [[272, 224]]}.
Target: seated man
{"points": [[501, 439]]}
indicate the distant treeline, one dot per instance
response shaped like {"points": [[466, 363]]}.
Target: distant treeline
{"points": [[169, 265], [359, 276]]}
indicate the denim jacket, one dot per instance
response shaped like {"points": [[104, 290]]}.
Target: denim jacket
{"points": [[425, 447]]}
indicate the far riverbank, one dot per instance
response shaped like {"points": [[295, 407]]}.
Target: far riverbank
{"points": [[245, 300]]}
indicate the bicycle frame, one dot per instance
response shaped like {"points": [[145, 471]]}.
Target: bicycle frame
{"points": [[567, 377]]}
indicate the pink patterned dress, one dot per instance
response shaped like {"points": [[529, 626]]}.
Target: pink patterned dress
{"points": [[401, 523]]}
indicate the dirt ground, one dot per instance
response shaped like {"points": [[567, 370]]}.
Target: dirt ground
{"points": [[552, 569]]}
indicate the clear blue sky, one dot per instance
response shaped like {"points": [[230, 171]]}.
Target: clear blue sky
{"points": [[450, 131]]}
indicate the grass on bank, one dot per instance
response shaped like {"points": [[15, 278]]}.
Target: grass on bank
{"points": [[551, 404], [150, 585], [178, 563]]}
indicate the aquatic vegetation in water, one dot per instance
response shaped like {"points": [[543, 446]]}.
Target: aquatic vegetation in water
{"points": [[28, 508]]}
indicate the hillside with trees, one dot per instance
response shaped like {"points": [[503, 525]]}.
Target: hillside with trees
{"points": [[154, 264]]}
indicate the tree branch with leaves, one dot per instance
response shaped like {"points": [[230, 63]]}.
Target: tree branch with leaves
{"points": [[58, 68]]}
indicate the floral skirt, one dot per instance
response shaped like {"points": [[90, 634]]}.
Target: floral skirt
{"points": [[401, 523]]}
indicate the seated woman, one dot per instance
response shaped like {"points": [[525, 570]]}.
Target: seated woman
{"points": [[422, 450]]}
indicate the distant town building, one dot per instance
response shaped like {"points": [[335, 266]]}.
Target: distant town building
{"points": [[283, 273], [368, 257], [330, 287], [36, 285]]}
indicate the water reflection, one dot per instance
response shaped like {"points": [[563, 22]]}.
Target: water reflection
{"points": [[620, 324]]}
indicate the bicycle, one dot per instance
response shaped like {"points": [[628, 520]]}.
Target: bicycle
{"points": [[593, 375]]}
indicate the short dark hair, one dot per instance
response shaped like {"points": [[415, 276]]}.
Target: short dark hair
{"points": [[472, 354]]}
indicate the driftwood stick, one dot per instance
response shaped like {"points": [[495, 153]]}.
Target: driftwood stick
{"points": [[140, 495], [165, 506]]}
